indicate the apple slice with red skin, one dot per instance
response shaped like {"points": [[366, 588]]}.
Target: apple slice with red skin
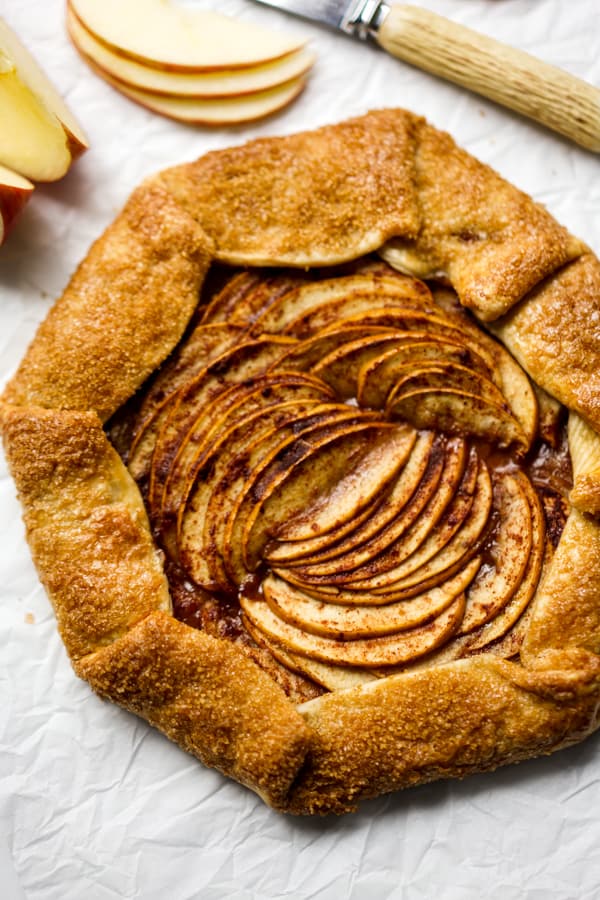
{"points": [[15, 191], [388, 650], [405, 485], [40, 136]]}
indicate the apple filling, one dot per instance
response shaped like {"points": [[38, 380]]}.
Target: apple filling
{"points": [[347, 475]]}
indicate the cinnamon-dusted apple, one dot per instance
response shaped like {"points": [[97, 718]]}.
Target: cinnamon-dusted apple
{"points": [[378, 535]]}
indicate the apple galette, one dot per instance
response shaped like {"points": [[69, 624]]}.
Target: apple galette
{"points": [[309, 457]]}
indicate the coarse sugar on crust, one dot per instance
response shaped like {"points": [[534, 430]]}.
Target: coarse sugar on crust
{"points": [[385, 182]]}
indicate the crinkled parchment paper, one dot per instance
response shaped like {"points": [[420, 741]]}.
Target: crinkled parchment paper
{"points": [[93, 803]]}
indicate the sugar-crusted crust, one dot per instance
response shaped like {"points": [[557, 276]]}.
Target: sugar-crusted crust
{"points": [[384, 181]]}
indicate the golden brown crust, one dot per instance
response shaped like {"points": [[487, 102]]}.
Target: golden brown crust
{"points": [[86, 525], [203, 694], [553, 333], [304, 200], [467, 716], [491, 240], [125, 308]]}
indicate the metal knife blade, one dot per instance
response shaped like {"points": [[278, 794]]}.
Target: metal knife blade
{"points": [[504, 74], [358, 18]]}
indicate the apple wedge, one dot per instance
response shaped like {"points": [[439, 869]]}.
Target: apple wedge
{"points": [[226, 83], [215, 110], [40, 135], [172, 37], [14, 194]]}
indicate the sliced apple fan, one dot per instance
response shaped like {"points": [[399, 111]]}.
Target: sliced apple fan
{"points": [[348, 459]]}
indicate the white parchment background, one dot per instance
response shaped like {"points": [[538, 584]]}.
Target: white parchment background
{"points": [[93, 803]]}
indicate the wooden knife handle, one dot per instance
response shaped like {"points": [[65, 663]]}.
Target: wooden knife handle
{"points": [[504, 74]]}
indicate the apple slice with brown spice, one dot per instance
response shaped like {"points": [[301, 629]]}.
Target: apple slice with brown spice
{"points": [[393, 649]]}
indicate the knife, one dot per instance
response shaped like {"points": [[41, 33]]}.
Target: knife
{"points": [[504, 74]]}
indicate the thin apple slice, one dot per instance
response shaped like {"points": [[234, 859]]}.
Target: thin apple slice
{"points": [[419, 468], [205, 343], [309, 352], [334, 620], [365, 560], [450, 410], [391, 649], [454, 517], [225, 411], [364, 290], [518, 603], [382, 571], [219, 483], [510, 554], [296, 474], [334, 678], [377, 377], [14, 194], [243, 360], [462, 546], [246, 296], [215, 110], [233, 82], [341, 366], [171, 37], [222, 303], [355, 490], [40, 135], [440, 374]]}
